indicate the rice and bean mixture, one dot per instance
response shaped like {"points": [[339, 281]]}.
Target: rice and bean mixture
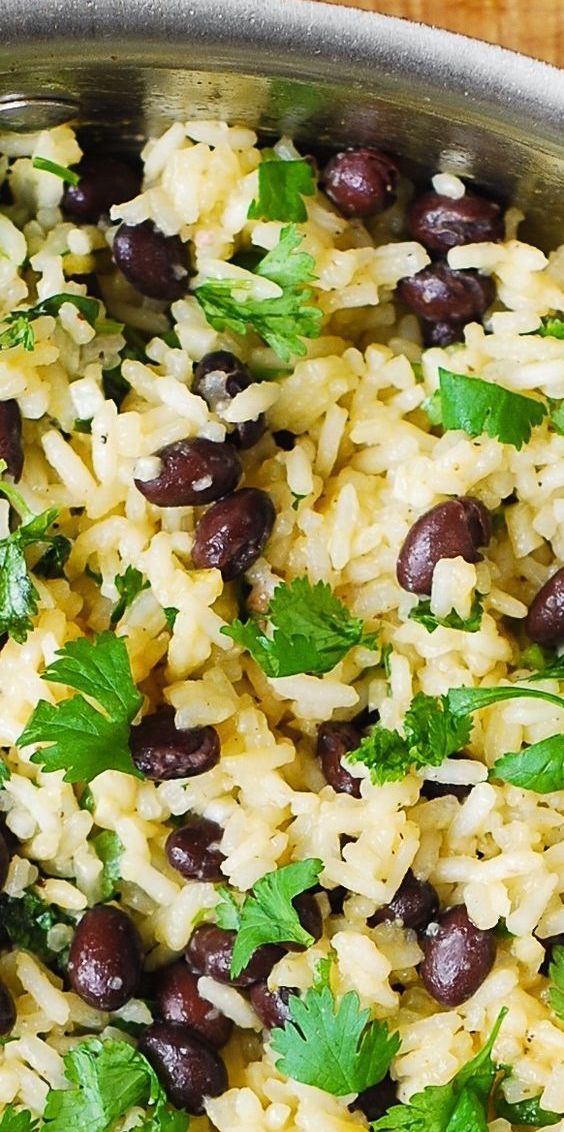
{"points": [[281, 596]]}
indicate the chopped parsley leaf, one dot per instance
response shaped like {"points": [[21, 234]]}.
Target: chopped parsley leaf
{"points": [[128, 586]]}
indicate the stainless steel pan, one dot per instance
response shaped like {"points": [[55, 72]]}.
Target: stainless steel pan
{"points": [[325, 74]]}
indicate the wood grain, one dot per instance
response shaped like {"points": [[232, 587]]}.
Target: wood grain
{"points": [[535, 27]]}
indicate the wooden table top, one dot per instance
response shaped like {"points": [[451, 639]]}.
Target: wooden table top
{"points": [[535, 27]]}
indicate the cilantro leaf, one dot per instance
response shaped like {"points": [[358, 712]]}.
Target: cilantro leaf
{"points": [[84, 741], [556, 974], [28, 920], [21, 1121], [69, 176], [527, 1112], [171, 613], [20, 331], [464, 700], [228, 911], [109, 849], [18, 595], [52, 561], [128, 586], [283, 321], [459, 1106], [432, 407], [431, 733], [556, 414], [333, 1046], [311, 631], [107, 1079], [552, 327], [268, 915], [546, 666], [422, 613], [539, 767], [478, 407], [282, 184]]}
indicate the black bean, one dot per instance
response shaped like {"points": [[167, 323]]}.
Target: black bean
{"points": [[193, 472], [442, 333], [449, 530], [441, 223], [156, 265], [333, 742], [218, 378], [193, 850], [457, 957], [285, 439], [104, 181], [271, 1006], [188, 1068], [336, 897], [105, 958], [361, 182], [414, 905], [310, 918], [7, 1010], [431, 789], [178, 1000], [233, 533], [375, 1101], [162, 750], [11, 449], [440, 293], [545, 619], [549, 943], [210, 951]]}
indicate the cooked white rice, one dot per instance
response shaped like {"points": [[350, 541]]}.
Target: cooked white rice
{"points": [[368, 465]]}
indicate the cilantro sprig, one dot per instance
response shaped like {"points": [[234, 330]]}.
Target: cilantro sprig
{"points": [[20, 330], [422, 614], [431, 732], [69, 176], [18, 595], [333, 1046], [268, 915], [437, 726], [281, 187], [309, 630], [128, 586], [86, 740], [107, 1079], [283, 321], [479, 407], [459, 1106], [28, 920], [552, 327], [527, 1113]]}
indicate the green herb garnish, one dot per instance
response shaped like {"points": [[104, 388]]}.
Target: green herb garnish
{"points": [[46, 166], [422, 613], [333, 1046], [282, 185], [479, 407], [283, 321], [310, 631], [85, 741], [268, 915], [128, 586]]}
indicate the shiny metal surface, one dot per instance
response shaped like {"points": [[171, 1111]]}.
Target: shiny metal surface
{"points": [[325, 74]]}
